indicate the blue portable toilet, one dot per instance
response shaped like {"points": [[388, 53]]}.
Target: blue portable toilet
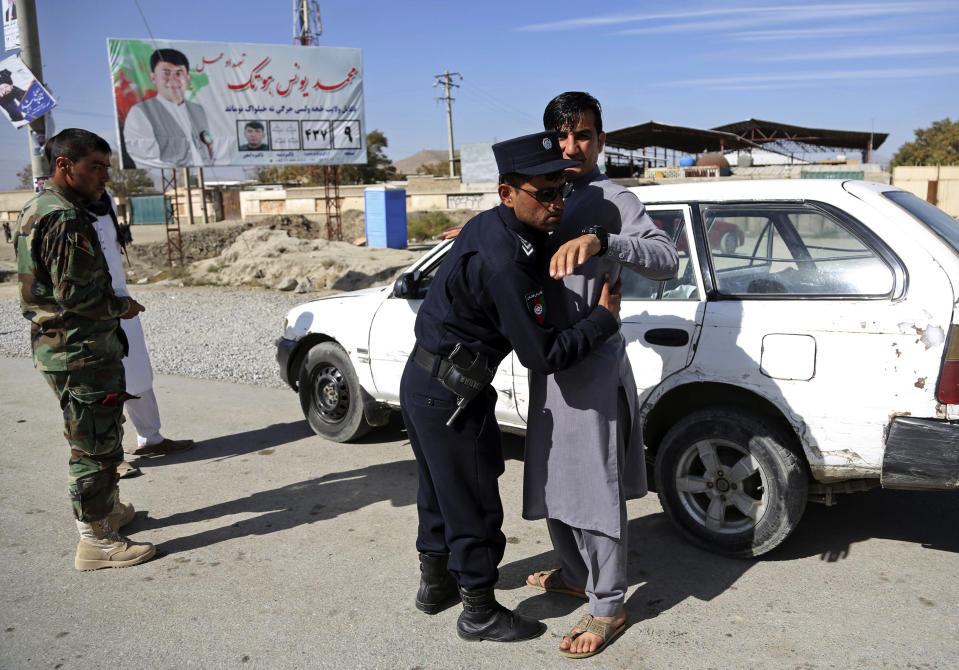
{"points": [[385, 217], [150, 208]]}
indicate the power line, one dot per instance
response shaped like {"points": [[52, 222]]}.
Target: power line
{"points": [[143, 16], [493, 102]]}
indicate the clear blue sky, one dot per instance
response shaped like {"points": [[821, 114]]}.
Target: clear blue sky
{"points": [[891, 66]]}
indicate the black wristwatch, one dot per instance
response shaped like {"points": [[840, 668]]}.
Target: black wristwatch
{"points": [[603, 236]]}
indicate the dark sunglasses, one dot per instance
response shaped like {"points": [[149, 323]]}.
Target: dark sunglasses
{"points": [[547, 195]]}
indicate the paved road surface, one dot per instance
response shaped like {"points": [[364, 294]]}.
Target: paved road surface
{"points": [[281, 550]]}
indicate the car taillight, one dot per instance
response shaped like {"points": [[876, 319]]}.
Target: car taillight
{"points": [[949, 379]]}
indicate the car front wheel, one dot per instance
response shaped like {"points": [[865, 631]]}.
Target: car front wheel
{"points": [[331, 395], [729, 482]]}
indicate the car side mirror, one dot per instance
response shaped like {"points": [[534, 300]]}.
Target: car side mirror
{"points": [[406, 285]]}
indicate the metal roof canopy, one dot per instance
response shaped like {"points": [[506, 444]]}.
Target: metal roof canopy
{"points": [[748, 134], [797, 137], [678, 138]]}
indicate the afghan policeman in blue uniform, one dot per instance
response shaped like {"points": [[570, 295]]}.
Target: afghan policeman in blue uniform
{"points": [[485, 300]]}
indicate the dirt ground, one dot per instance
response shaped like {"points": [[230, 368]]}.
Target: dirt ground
{"points": [[272, 252]]}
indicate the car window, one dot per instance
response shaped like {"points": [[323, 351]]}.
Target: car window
{"points": [[424, 274], [941, 223], [681, 287], [788, 250], [426, 278]]}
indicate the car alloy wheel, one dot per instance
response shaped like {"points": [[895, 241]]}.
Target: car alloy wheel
{"points": [[721, 486], [731, 480]]}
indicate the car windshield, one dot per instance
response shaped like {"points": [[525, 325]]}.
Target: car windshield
{"points": [[941, 223]]}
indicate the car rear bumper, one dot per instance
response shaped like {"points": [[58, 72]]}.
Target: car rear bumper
{"points": [[284, 352], [921, 454]]}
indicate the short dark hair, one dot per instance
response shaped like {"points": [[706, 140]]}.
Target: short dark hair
{"points": [[253, 124], [73, 143], [515, 179], [171, 56], [563, 110]]}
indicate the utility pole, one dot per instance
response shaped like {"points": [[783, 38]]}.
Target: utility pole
{"points": [[30, 54], [446, 80], [202, 186], [307, 27], [189, 195]]}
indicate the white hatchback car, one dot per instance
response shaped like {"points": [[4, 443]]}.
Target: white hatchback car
{"points": [[810, 349]]}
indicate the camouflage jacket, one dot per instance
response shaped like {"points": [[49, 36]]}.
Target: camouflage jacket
{"points": [[65, 287]]}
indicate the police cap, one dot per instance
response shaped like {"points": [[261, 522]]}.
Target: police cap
{"points": [[534, 154]]}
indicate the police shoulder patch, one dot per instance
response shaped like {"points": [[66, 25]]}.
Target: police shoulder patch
{"points": [[536, 306], [80, 241]]}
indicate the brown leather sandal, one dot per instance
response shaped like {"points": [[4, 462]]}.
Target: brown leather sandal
{"points": [[127, 470], [165, 447], [589, 624], [546, 578]]}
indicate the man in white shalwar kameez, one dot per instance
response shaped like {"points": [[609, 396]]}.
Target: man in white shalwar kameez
{"points": [[142, 412], [584, 448]]}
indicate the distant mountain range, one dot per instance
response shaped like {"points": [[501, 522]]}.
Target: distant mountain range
{"points": [[410, 164]]}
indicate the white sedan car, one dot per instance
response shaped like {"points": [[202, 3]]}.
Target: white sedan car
{"points": [[814, 351]]}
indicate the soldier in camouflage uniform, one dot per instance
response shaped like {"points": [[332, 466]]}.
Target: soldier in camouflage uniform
{"points": [[76, 339]]}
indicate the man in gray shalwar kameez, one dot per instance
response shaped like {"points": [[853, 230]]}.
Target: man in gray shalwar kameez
{"points": [[584, 447]]}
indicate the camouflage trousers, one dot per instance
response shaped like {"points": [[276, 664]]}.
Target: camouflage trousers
{"points": [[92, 402]]}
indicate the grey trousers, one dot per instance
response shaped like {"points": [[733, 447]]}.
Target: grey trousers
{"points": [[594, 560]]}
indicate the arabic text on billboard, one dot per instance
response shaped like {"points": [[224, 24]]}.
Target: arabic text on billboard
{"points": [[184, 103]]}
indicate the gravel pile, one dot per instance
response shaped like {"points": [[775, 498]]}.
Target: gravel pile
{"points": [[209, 333]]}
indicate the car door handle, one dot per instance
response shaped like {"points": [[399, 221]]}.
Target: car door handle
{"points": [[667, 337]]}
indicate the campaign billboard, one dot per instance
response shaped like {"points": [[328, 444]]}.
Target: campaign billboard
{"points": [[22, 98], [181, 103], [11, 29]]}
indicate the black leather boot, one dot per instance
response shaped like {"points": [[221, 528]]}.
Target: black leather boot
{"points": [[437, 587], [485, 619]]}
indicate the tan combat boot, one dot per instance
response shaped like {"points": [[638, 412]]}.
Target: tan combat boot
{"points": [[101, 547], [122, 513]]}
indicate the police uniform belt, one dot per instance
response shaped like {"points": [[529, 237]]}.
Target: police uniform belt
{"points": [[428, 361]]}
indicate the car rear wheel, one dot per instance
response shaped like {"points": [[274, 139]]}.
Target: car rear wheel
{"points": [[729, 242], [729, 482], [331, 395]]}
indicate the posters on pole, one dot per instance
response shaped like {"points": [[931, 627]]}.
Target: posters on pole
{"points": [[181, 103], [22, 98], [11, 29]]}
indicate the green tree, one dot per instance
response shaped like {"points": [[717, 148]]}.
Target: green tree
{"points": [[124, 183], [296, 175], [440, 168], [377, 168], [936, 145], [26, 178]]}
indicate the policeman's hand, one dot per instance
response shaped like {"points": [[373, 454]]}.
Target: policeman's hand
{"points": [[610, 298], [573, 254], [135, 308]]}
